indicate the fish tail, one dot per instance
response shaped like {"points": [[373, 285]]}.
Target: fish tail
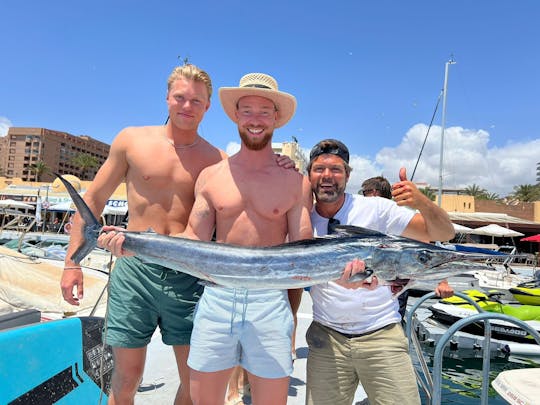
{"points": [[91, 227]]}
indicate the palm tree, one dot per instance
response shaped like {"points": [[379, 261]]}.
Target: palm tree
{"points": [[84, 161], [527, 192], [492, 196], [39, 168], [475, 191], [429, 193]]}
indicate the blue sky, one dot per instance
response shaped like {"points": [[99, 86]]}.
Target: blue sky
{"points": [[365, 72]]}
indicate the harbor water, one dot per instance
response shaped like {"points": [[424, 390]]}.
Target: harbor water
{"points": [[462, 378], [462, 373]]}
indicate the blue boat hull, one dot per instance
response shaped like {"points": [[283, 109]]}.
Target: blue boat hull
{"points": [[57, 362]]}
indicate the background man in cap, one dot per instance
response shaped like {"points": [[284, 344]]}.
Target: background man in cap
{"points": [[250, 201], [356, 334]]}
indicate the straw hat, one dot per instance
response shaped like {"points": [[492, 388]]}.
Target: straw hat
{"points": [[262, 85]]}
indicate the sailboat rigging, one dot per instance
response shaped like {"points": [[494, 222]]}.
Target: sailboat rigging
{"points": [[443, 96]]}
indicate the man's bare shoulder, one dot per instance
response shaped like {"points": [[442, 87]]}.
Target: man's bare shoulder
{"points": [[140, 133], [211, 149], [211, 170]]}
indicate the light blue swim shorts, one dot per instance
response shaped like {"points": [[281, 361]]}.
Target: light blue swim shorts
{"points": [[251, 328]]}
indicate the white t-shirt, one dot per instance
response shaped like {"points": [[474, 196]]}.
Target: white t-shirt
{"points": [[357, 311]]}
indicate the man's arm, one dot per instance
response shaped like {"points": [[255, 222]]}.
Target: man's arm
{"points": [[432, 223], [109, 176], [202, 219], [299, 227], [298, 220]]}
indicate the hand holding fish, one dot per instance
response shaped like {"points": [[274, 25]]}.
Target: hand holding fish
{"points": [[354, 267], [111, 239]]}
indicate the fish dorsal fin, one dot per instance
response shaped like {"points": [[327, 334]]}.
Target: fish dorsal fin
{"points": [[340, 232], [352, 230], [302, 243]]}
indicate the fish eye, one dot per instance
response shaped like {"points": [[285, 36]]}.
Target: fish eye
{"points": [[424, 257]]}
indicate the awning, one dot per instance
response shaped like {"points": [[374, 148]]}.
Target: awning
{"points": [[496, 230], [461, 228], [9, 203]]}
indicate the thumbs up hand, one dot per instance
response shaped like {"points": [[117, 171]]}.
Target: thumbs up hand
{"points": [[402, 174], [405, 192]]}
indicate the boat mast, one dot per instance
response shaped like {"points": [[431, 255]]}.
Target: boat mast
{"points": [[450, 62]]}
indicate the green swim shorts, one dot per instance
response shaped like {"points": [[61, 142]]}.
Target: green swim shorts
{"points": [[143, 296]]}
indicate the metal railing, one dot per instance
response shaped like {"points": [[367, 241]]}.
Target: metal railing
{"points": [[431, 383]]}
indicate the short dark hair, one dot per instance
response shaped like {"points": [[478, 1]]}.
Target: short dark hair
{"points": [[380, 184]]}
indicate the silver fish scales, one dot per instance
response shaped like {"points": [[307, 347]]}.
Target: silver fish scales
{"points": [[291, 265]]}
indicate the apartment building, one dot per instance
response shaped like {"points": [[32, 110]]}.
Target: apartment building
{"points": [[292, 150], [23, 147]]}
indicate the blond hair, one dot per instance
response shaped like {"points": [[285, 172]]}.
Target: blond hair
{"points": [[190, 72]]}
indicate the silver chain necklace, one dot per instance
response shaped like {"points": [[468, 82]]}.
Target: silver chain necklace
{"points": [[182, 146]]}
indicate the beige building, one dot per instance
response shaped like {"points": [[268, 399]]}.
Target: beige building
{"points": [[292, 150], [23, 147]]}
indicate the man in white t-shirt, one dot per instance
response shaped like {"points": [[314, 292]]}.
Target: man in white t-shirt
{"points": [[356, 335]]}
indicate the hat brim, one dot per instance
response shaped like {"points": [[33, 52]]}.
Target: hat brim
{"points": [[285, 102]]}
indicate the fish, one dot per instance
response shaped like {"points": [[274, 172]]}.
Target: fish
{"points": [[290, 265]]}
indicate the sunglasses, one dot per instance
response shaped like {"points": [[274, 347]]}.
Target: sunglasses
{"points": [[332, 222], [369, 192], [329, 149]]}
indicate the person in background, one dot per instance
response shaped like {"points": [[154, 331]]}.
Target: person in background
{"points": [[379, 186], [238, 387], [68, 225], [356, 334]]}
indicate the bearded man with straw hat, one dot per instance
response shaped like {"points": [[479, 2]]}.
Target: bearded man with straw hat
{"points": [[249, 200]]}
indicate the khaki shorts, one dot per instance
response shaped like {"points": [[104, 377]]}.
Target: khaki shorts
{"points": [[379, 360], [144, 296]]}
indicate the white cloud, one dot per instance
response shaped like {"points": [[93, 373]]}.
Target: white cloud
{"points": [[232, 148], [467, 159], [4, 126]]}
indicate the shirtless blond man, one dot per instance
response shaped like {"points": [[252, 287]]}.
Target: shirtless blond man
{"points": [[160, 165], [249, 201]]}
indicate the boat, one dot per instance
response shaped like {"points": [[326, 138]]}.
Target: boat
{"points": [[62, 361], [448, 314], [34, 283], [518, 386], [527, 293], [52, 248]]}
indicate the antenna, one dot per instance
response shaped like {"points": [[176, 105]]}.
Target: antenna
{"points": [[185, 60], [450, 62]]}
